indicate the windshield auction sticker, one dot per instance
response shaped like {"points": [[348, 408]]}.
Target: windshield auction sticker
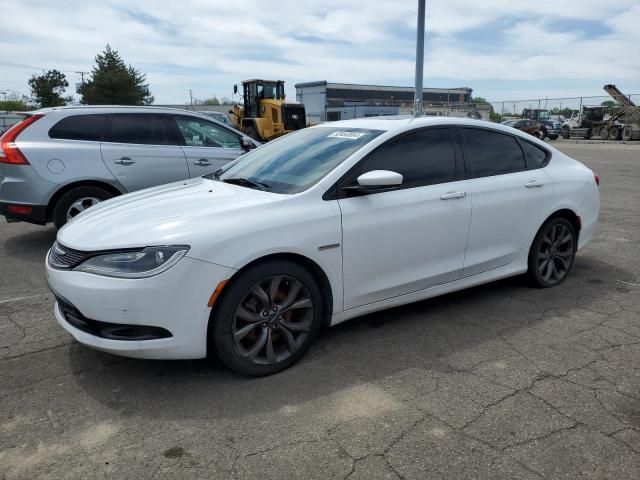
{"points": [[347, 135]]}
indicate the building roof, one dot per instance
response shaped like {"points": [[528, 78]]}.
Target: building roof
{"points": [[387, 88]]}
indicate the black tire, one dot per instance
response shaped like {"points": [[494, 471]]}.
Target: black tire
{"points": [[566, 133], [252, 132], [603, 133], [553, 136], [551, 255], [61, 208], [627, 134], [239, 297], [614, 133]]}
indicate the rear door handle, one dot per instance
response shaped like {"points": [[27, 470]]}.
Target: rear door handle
{"points": [[453, 195], [124, 161], [203, 162], [534, 184]]}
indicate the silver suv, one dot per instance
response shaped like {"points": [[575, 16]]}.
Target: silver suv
{"points": [[58, 162]]}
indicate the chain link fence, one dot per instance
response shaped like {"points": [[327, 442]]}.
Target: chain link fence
{"points": [[558, 107]]}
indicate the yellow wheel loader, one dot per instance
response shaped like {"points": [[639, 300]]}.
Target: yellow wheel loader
{"points": [[264, 114]]}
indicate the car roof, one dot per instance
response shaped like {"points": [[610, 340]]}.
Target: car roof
{"points": [[113, 109], [401, 122]]}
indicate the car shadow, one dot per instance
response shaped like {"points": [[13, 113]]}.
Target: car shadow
{"points": [[427, 335], [23, 245]]}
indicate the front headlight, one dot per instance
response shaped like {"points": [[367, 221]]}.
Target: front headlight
{"points": [[143, 263]]}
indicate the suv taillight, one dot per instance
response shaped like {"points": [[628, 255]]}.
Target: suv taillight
{"points": [[9, 151]]}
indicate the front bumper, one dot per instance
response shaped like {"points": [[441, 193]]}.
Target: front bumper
{"points": [[174, 301], [37, 214]]}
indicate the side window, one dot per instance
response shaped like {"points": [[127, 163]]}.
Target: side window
{"points": [[534, 156], [200, 133], [423, 158], [492, 153], [146, 129], [79, 127]]}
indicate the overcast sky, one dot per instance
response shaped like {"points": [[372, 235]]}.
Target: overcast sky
{"points": [[503, 49]]}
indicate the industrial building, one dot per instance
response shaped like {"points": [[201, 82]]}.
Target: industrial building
{"points": [[326, 101]]}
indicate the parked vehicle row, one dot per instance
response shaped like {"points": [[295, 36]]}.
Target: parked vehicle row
{"points": [[59, 162], [320, 226]]}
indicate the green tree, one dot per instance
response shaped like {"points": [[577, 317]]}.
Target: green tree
{"points": [[47, 89], [609, 103], [212, 101], [112, 82]]}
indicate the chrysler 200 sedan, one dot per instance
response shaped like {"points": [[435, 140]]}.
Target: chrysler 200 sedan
{"points": [[316, 228]]}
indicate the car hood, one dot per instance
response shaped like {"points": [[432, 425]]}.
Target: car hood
{"points": [[173, 214]]}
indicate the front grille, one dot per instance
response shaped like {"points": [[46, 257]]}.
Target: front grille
{"points": [[293, 116], [65, 258]]}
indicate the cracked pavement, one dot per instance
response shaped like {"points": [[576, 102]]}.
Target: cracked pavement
{"points": [[501, 381]]}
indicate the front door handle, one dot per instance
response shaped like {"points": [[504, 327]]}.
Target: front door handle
{"points": [[453, 195], [534, 184], [203, 162], [124, 161]]}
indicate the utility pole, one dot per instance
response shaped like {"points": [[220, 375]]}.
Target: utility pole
{"points": [[82, 74], [4, 94], [190, 97], [417, 101]]}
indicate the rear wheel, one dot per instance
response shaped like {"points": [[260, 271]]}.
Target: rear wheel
{"points": [[614, 133], [566, 133], [267, 319], [76, 201], [552, 253], [627, 133], [603, 133]]}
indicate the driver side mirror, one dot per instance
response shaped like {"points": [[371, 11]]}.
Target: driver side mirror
{"points": [[375, 181], [246, 143], [235, 89]]}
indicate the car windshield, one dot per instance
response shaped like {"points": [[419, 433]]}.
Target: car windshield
{"points": [[297, 161]]}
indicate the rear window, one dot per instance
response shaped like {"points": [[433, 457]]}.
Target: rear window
{"points": [[79, 127], [144, 129]]}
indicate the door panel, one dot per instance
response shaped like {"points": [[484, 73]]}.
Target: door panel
{"points": [[141, 151], [506, 214], [508, 200], [403, 241]]}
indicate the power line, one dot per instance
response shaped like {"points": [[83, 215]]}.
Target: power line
{"points": [[30, 67]]}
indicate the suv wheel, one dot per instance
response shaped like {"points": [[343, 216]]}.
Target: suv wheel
{"points": [[76, 201]]}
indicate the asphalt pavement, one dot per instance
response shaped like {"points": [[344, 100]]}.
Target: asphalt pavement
{"points": [[500, 381]]}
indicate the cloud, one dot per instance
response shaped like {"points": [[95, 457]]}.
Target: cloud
{"points": [[206, 46]]}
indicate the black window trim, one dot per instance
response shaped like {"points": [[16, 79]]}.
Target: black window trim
{"points": [[335, 192], [102, 134], [182, 143], [164, 117], [518, 138]]}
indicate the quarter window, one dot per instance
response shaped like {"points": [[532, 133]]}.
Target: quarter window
{"points": [[200, 133], [79, 127], [492, 153], [144, 129], [534, 156], [423, 158]]}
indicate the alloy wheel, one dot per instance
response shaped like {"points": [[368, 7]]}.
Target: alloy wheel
{"points": [[272, 320], [556, 252], [81, 205]]}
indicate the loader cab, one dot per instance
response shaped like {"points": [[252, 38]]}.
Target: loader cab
{"points": [[254, 91]]}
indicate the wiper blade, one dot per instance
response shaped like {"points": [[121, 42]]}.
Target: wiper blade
{"points": [[246, 182]]}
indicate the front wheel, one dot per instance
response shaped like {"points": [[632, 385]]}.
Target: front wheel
{"points": [[267, 319], [552, 253]]}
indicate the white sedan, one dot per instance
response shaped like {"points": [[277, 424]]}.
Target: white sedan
{"points": [[313, 229]]}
